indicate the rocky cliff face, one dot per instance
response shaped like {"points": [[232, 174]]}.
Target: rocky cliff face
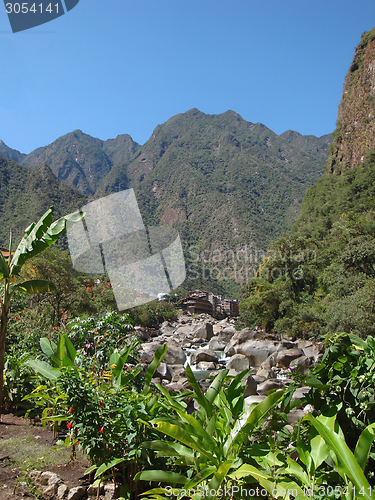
{"points": [[355, 132]]}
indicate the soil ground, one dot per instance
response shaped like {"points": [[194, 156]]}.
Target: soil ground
{"points": [[25, 446]]}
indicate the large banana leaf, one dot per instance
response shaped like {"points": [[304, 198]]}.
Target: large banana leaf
{"points": [[319, 450], [347, 465], [169, 449], [43, 369], [48, 346], [40, 236], [65, 353], [36, 286], [199, 431]]}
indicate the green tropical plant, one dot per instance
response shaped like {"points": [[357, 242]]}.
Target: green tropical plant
{"points": [[38, 236], [325, 467], [350, 466], [206, 446], [346, 374]]}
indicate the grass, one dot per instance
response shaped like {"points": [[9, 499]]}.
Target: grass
{"points": [[26, 453]]}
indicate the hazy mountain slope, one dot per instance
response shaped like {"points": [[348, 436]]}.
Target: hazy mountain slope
{"points": [[11, 154], [80, 160], [26, 194]]}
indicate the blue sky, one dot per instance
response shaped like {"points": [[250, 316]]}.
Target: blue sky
{"points": [[111, 67]]}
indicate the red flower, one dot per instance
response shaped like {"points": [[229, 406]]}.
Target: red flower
{"points": [[100, 404], [101, 429], [70, 425], [71, 410]]}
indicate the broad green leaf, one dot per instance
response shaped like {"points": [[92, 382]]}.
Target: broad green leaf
{"points": [[214, 389], [314, 382], [58, 357], [319, 450], [64, 353], [250, 419], [160, 476], [357, 341], [36, 286], [218, 477], [169, 449], [106, 466], [179, 433], [159, 354], [362, 450], [347, 464], [48, 347], [70, 349], [4, 269], [198, 394], [171, 401], [32, 234], [119, 359], [43, 369], [297, 471], [90, 469]]}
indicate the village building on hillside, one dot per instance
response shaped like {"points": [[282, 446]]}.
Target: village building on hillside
{"points": [[204, 302]]}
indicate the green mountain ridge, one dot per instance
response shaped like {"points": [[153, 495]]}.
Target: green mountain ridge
{"points": [[224, 183], [25, 194], [82, 161]]}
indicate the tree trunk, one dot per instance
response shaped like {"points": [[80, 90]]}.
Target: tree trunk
{"points": [[3, 331]]}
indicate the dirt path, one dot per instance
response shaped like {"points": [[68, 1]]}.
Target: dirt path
{"points": [[26, 447]]}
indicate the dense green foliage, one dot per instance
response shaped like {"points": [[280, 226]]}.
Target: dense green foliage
{"points": [[321, 276]]}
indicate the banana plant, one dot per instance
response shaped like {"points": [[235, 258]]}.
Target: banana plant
{"points": [[61, 355], [38, 236], [209, 443]]}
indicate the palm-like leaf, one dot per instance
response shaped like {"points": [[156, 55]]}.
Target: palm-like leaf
{"points": [[35, 286]]}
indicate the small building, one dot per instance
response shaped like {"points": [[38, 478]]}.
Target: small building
{"points": [[197, 302]]}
